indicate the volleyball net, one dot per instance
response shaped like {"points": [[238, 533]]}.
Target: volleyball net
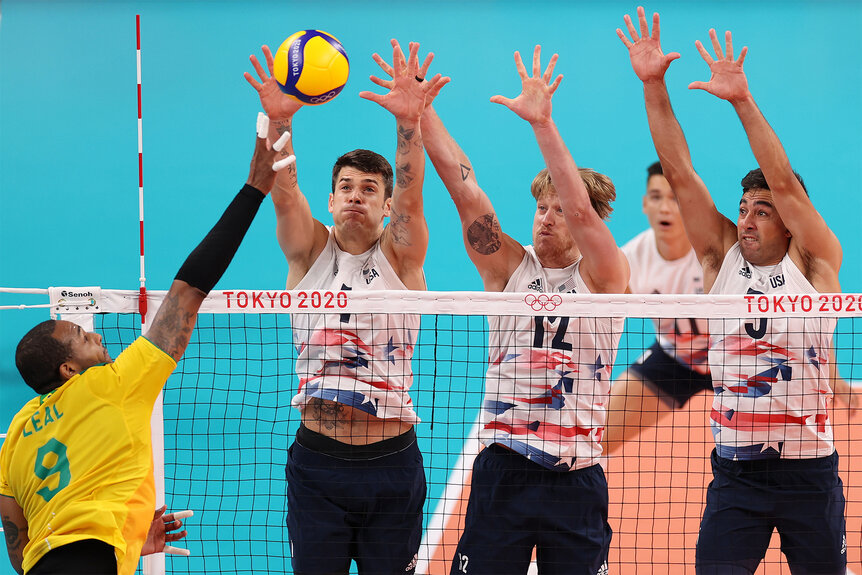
{"points": [[228, 420]]}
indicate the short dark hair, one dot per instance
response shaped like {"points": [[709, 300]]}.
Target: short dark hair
{"points": [[754, 180], [654, 169], [368, 162], [39, 356]]}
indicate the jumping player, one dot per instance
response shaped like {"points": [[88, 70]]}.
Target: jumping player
{"points": [[356, 484], [76, 471], [537, 484], [674, 368], [775, 465]]}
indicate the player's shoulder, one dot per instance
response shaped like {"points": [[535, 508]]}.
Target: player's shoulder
{"points": [[646, 238], [19, 419], [142, 354]]}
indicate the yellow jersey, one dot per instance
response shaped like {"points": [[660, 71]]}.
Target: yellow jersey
{"points": [[78, 460]]}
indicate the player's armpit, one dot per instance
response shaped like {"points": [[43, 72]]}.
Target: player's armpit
{"points": [[15, 529]]}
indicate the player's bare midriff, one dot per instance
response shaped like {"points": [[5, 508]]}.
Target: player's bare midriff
{"points": [[349, 425]]}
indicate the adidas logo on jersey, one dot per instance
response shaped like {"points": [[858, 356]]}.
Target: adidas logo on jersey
{"points": [[536, 285], [603, 570], [745, 272]]}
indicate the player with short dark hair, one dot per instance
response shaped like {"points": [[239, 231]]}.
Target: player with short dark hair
{"points": [[774, 465], [356, 483], [537, 484], [77, 491], [674, 368]]}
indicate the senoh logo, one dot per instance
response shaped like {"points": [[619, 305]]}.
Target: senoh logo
{"points": [[543, 301], [65, 293]]}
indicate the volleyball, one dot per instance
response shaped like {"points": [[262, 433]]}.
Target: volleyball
{"points": [[311, 66]]}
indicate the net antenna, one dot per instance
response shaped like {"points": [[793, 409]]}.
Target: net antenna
{"points": [[152, 564], [142, 298]]}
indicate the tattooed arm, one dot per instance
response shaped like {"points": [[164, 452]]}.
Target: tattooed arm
{"points": [[175, 320], [495, 254], [405, 238], [300, 236], [15, 530], [202, 269]]}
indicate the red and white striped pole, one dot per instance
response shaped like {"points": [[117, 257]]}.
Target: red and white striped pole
{"points": [[152, 564], [142, 298]]}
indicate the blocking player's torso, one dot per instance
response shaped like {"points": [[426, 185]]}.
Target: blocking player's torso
{"points": [[549, 376], [771, 374], [360, 361]]}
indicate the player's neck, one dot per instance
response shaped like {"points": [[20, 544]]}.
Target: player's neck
{"points": [[673, 248], [354, 242], [558, 259]]}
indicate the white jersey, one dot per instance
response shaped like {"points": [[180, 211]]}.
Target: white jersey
{"points": [[549, 377], [359, 360], [771, 376], [686, 339]]}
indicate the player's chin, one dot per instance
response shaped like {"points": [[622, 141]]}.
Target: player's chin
{"points": [[749, 249]]}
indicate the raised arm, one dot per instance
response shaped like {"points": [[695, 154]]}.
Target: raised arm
{"points": [[172, 327], [495, 255], [604, 266], [814, 244], [711, 233], [405, 238], [300, 236]]}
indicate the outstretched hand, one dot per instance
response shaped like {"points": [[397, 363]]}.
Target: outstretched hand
{"points": [[533, 104], [648, 60], [276, 104], [261, 174], [727, 81], [164, 529], [409, 89]]}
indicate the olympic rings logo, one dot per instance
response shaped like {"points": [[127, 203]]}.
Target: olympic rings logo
{"points": [[543, 301], [323, 97]]}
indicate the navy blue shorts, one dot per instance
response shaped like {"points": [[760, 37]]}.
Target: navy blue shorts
{"points": [[367, 510], [89, 556], [802, 498], [674, 382], [516, 505]]}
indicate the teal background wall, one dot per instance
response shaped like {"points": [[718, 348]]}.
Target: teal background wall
{"points": [[68, 141]]}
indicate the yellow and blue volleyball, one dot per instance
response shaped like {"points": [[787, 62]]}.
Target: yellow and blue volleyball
{"points": [[311, 66]]}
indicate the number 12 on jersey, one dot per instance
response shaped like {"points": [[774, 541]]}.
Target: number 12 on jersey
{"points": [[557, 342]]}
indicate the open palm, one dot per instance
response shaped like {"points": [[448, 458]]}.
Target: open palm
{"points": [[533, 104], [727, 80], [648, 60], [276, 104]]}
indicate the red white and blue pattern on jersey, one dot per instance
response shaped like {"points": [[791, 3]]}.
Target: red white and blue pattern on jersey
{"points": [[548, 379], [359, 360], [771, 376]]}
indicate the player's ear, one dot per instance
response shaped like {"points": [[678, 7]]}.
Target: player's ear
{"points": [[643, 203], [68, 370], [387, 207], [331, 202]]}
